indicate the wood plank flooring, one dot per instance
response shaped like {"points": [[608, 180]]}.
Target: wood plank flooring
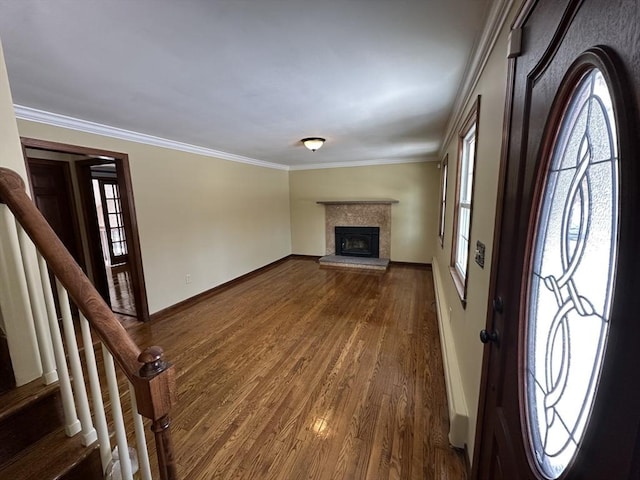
{"points": [[121, 290], [308, 373]]}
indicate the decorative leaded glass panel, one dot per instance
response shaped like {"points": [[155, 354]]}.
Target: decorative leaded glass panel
{"points": [[571, 282]]}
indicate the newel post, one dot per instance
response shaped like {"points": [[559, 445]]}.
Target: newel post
{"points": [[158, 394]]}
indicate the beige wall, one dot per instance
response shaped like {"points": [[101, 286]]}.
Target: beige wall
{"points": [[208, 218], [10, 149], [413, 220], [466, 323], [17, 320]]}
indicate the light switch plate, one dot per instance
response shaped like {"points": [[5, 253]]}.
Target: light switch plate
{"points": [[480, 248]]}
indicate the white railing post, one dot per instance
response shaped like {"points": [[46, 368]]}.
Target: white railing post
{"points": [[18, 318], [116, 413], [89, 434], [72, 424], [36, 299], [96, 394], [141, 440]]}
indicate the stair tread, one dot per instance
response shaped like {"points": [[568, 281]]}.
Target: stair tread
{"points": [[20, 397], [49, 458]]}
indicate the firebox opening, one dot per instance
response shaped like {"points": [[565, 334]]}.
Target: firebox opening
{"points": [[358, 241]]}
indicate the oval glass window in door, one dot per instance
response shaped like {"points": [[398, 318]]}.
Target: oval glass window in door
{"points": [[572, 276]]}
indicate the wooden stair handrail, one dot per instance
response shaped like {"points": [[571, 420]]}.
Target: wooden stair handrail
{"points": [[152, 378]]}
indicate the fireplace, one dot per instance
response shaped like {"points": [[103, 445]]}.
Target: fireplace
{"points": [[358, 241]]}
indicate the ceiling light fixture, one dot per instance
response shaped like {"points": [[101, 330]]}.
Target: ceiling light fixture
{"points": [[313, 143]]}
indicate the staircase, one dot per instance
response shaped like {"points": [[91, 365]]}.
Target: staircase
{"points": [[63, 430], [33, 443]]}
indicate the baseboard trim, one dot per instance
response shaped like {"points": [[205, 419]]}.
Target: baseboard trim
{"points": [[458, 412], [298, 256], [410, 264], [184, 304]]}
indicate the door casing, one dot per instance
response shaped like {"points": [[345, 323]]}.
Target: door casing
{"points": [[87, 203]]}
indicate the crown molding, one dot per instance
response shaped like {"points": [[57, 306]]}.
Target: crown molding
{"points": [[493, 26], [364, 163], [57, 120], [64, 121]]}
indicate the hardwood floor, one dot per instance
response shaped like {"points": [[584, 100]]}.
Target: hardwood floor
{"points": [[121, 290], [303, 372]]}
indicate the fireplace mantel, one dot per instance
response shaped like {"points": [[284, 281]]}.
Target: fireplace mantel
{"points": [[359, 213], [381, 201]]}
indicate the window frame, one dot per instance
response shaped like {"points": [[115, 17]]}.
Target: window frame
{"points": [[444, 167], [471, 123]]}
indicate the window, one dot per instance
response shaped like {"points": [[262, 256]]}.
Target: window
{"points": [[113, 219], [572, 278], [443, 197], [464, 201]]}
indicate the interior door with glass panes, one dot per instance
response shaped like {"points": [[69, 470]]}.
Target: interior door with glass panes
{"points": [[113, 220], [561, 382]]}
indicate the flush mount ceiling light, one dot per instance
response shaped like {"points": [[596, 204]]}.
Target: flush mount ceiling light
{"points": [[313, 143]]}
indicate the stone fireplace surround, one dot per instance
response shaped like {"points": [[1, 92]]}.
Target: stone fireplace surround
{"points": [[359, 213]]}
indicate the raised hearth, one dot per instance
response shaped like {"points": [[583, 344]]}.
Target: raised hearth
{"points": [[366, 263]]}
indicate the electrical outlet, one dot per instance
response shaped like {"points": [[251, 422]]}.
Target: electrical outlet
{"points": [[187, 278]]}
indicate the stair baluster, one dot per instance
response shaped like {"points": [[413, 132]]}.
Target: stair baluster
{"points": [[116, 413], [36, 299], [13, 268], [89, 434], [141, 441], [96, 394], [72, 423]]}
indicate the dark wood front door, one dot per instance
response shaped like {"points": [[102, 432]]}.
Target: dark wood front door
{"points": [[561, 388]]}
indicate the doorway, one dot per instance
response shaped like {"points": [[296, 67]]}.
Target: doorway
{"points": [[100, 199], [559, 395], [113, 237]]}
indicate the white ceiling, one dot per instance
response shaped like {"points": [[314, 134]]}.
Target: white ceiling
{"points": [[376, 78]]}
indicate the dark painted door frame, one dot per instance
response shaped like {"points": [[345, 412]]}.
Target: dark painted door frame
{"points": [[83, 170]]}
